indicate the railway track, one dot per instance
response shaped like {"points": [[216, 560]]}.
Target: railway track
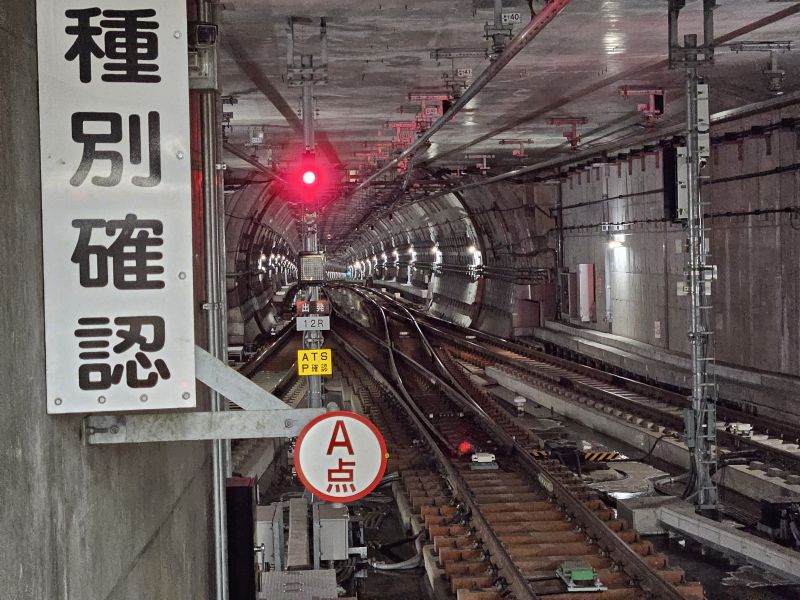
{"points": [[501, 532], [273, 369], [775, 444]]}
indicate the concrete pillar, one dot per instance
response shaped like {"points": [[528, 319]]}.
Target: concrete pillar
{"points": [[77, 523]]}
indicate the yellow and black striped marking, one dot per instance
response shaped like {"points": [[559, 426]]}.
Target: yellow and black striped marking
{"points": [[600, 456]]}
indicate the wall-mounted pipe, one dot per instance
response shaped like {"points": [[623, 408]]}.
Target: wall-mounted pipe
{"points": [[559, 250], [213, 205], [607, 275]]}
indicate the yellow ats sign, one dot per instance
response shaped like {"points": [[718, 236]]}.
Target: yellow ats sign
{"points": [[314, 362]]}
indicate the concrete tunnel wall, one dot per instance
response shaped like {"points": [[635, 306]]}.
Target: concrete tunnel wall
{"points": [[77, 522], [756, 299], [516, 232], [441, 221], [508, 223], [257, 222], [500, 220], [754, 167]]}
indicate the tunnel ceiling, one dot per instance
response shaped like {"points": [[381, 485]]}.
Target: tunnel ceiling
{"points": [[380, 52]]}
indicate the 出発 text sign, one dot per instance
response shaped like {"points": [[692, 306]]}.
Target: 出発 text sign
{"points": [[340, 456], [314, 362], [116, 205]]}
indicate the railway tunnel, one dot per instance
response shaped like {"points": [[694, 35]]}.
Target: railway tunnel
{"points": [[444, 300]]}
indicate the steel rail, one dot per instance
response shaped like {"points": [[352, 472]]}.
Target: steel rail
{"points": [[784, 458], [774, 454], [605, 537], [635, 566], [666, 395], [514, 47], [252, 366], [778, 456], [392, 364], [518, 583]]}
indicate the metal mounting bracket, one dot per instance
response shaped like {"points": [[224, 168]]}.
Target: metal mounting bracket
{"points": [[302, 69], [264, 415], [232, 384], [694, 54], [194, 426]]}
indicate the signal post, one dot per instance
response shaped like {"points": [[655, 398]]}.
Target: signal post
{"points": [[308, 182]]}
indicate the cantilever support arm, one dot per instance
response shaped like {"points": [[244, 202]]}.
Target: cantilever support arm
{"points": [[264, 415], [194, 426], [232, 384]]}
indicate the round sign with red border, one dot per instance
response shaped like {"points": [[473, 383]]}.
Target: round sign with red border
{"points": [[340, 456]]}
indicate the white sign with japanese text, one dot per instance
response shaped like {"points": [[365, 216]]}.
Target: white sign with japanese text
{"points": [[340, 456], [116, 205]]}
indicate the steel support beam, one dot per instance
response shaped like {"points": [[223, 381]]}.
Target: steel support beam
{"points": [[307, 76], [636, 72], [194, 426], [555, 164], [701, 419]]}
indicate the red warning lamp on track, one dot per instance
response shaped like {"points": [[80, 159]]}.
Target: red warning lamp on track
{"points": [[465, 447]]}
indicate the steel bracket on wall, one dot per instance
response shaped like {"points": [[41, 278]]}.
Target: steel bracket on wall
{"points": [[233, 385], [264, 415], [679, 55], [194, 426]]}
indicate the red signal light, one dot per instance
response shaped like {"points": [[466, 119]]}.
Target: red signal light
{"points": [[465, 447], [309, 177]]}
